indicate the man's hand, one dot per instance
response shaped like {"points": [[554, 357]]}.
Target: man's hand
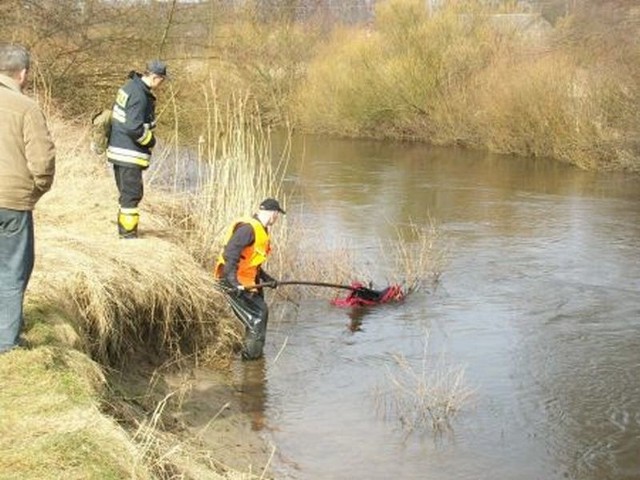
{"points": [[231, 288], [242, 288]]}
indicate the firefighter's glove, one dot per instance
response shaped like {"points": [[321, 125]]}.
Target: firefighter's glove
{"points": [[147, 139]]}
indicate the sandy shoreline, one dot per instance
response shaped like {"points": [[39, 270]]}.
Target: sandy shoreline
{"points": [[215, 414]]}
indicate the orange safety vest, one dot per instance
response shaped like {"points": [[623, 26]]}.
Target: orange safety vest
{"points": [[252, 256]]}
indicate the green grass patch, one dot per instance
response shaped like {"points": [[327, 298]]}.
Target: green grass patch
{"points": [[51, 426]]}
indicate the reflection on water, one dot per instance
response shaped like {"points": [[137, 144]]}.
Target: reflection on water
{"points": [[539, 301], [252, 388], [356, 315]]}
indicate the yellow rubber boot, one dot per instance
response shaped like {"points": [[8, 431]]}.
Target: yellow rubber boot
{"points": [[128, 219]]}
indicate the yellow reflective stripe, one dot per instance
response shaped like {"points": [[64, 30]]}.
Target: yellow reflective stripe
{"points": [[121, 98], [146, 138]]}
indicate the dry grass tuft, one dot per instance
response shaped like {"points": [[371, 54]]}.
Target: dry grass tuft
{"points": [[420, 255], [304, 261], [425, 396]]}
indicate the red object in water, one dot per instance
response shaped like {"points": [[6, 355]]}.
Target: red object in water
{"points": [[362, 296]]}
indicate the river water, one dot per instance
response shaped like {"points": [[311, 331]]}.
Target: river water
{"points": [[539, 304]]}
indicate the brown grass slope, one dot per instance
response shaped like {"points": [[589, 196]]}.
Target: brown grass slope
{"points": [[146, 293], [93, 302]]}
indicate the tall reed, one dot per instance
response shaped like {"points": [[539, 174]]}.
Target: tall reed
{"points": [[233, 171]]}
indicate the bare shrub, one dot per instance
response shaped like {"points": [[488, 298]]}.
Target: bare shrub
{"points": [[85, 49], [420, 255], [426, 396], [529, 109], [389, 81], [459, 77], [314, 258], [552, 107], [417, 256], [267, 58]]}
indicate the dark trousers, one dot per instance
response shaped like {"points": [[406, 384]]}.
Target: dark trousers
{"points": [[131, 189], [253, 312], [16, 265], [130, 186]]}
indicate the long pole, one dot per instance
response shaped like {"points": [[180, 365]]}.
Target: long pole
{"points": [[304, 282]]}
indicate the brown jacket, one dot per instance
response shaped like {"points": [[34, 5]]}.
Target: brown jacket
{"points": [[27, 153]]}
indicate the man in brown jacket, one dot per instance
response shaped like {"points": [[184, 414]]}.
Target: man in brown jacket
{"points": [[27, 165]]}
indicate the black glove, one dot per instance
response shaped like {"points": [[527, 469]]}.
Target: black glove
{"points": [[231, 289], [268, 279]]}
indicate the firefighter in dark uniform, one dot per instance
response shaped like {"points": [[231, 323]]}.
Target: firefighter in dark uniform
{"points": [[131, 140], [246, 247]]}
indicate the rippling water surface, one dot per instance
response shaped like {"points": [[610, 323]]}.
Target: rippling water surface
{"points": [[539, 303]]}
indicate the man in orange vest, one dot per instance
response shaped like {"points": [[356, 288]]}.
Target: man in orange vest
{"points": [[239, 267]]}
